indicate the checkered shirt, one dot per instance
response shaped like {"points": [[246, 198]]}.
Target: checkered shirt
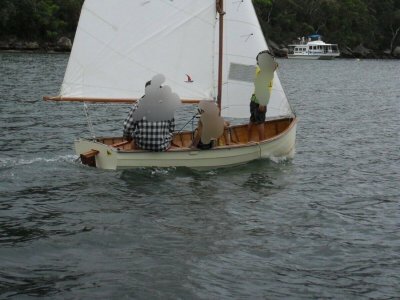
{"points": [[153, 136]]}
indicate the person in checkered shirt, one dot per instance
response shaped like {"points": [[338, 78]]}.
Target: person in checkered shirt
{"points": [[148, 135]]}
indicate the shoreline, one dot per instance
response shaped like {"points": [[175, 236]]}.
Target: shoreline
{"points": [[16, 51], [64, 45], [53, 51]]}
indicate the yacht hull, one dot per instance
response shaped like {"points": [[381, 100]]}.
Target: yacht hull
{"points": [[112, 157]]}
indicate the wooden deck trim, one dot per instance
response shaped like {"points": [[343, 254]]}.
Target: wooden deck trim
{"points": [[116, 145], [235, 142], [90, 153], [89, 158]]}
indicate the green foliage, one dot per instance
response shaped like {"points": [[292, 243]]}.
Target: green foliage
{"points": [[375, 23], [44, 20]]}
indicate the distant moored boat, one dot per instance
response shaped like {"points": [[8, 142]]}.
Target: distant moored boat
{"points": [[312, 47]]}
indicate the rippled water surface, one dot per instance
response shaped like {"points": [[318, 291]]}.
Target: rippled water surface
{"points": [[325, 225]]}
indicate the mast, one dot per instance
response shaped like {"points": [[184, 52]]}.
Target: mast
{"points": [[220, 10]]}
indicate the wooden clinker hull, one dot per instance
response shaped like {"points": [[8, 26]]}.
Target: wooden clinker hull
{"points": [[113, 154]]}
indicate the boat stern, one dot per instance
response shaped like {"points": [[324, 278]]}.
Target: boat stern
{"points": [[95, 154]]}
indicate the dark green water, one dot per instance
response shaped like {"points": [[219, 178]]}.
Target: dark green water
{"points": [[324, 225]]}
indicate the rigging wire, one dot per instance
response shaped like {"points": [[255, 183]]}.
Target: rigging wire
{"points": [[89, 120], [196, 115]]}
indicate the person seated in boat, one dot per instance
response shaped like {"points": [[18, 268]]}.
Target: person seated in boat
{"points": [[210, 126], [266, 66], [150, 122]]}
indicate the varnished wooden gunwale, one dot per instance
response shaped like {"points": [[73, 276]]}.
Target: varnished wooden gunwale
{"points": [[238, 137]]}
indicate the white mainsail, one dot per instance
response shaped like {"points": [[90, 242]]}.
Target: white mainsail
{"points": [[120, 45]]}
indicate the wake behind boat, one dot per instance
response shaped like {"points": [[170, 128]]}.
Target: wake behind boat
{"points": [[312, 47], [118, 48]]}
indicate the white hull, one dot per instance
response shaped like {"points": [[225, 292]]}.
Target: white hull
{"points": [[108, 157], [312, 57], [314, 48]]}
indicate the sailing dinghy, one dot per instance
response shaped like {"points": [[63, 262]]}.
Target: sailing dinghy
{"points": [[206, 50]]}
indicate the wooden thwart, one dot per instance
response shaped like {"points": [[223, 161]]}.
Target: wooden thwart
{"points": [[116, 145]]}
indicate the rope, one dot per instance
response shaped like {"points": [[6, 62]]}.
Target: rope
{"points": [[89, 120], [191, 120]]}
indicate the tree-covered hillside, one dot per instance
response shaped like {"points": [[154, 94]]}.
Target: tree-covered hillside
{"points": [[373, 23], [41, 20]]}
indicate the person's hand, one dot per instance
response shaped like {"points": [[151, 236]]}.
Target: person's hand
{"points": [[262, 108]]}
